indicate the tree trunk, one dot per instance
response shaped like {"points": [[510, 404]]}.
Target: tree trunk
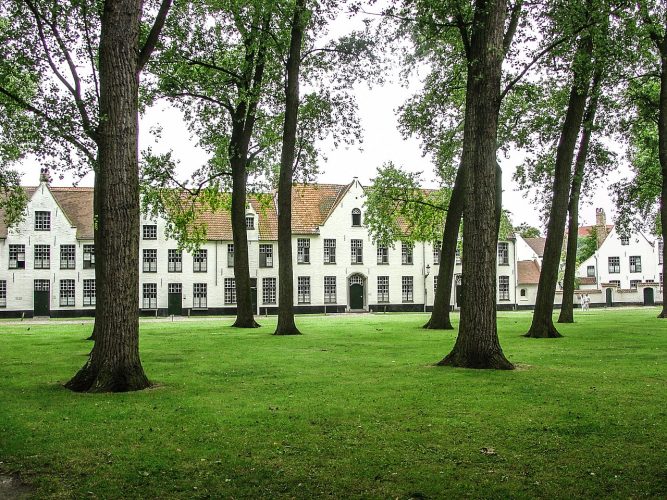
{"points": [[567, 307], [443, 295], [477, 344], [542, 325], [114, 363], [662, 154], [286, 324]]}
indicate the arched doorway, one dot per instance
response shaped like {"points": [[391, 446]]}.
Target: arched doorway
{"points": [[356, 292], [609, 297], [649, 300]]}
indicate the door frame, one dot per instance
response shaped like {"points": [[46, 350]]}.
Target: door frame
{"points": [[357, 279], [649, 291], [48, 296]]}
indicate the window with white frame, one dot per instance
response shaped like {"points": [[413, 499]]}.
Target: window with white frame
{"points": [[382, 254], [150, 232], [89, 293], [503, 288], [590, 271], [407, 253], [88, 256], [174, 260], [149, 296], [615, 282], [16, 256], [661, 249], [407, 289], [303, 250], [329, 289], [303, 290], [250, 222], [329, 251], [614, 264], [199, 296], [67, 293], [265, 255], [503, 253], [230, 254], [635, 264], [269, 290], [67, 257], [230, 291], [357, 251], [42, 256], [625, 240], [3, 293], [383, 289], [458, 256], [200, 261], [356, 217], [150, 260], [437, 248], [435, 284], [634, 284], [42, 221], [175, 288]]}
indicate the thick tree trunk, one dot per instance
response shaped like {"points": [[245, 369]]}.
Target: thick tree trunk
{"points": [[567, 307], [477, 344], [542, 325], [443, 295], [662, 154], [114, 363], [286, 324]]}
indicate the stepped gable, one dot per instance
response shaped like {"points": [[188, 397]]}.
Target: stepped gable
{"points": [[528, 272], [537, 244]]}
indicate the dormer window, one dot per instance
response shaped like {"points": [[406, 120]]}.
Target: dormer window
{"points": [[250, 222], [356, 217], [625, 240], [42, 221]]}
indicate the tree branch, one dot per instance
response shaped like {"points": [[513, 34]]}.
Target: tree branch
{"points": [[515, 16], [203, 97], [153, 35]]}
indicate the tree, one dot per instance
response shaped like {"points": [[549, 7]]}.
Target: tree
{"points": [[525, 230]]}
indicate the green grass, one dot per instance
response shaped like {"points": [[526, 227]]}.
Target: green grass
{"points": [[353, 408]]}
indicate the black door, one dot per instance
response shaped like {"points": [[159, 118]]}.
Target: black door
{"points": [[648, 297], [42, 298], [356, 296], [253, 291], [175, 299], [610, 301]]}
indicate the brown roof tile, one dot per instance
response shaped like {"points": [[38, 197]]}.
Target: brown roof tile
{"points": [[537, 244], [528, 272]]}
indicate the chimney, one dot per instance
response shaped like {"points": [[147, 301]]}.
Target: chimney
{"points": [[44, 175], [600, 225]]}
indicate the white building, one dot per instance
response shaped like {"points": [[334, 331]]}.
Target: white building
{"points": [[337, 267]]}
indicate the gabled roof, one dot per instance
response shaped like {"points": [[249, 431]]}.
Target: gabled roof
{"points": [[584, 231], [537, 245], [528, 272], [312, 204]]}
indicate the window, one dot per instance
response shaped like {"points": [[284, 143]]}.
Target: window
{"points": [[329, 251], [523, 292], [614, 264], [357, 248], [88, 256], [435, 284], [661, 249], [150, 232], [303, 251], [615, 282], [250, 222], [175, 260], [406, 253], [150, 260], [89, 292], [634, 283], [407, 289], [66, 293], [67, 257], [42, 256], [265, 255], [3, 293], [590, 271], [329, 289], [503, 253], [625, 240], [16, 256], [458, 256], [42, 221], [437, 248], [230, 291], [635, 264], [200, 261], [150, 296], [383, 254], [356, 217], [503, 287], [269, 290], [303, 290], [383, 288], [199, 296], [230, 254]]}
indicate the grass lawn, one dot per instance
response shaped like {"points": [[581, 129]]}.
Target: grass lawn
{"points": [[352, 408]]}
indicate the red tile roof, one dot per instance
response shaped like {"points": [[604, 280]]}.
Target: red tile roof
{"points": [[537, 244], [528, 272]]}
